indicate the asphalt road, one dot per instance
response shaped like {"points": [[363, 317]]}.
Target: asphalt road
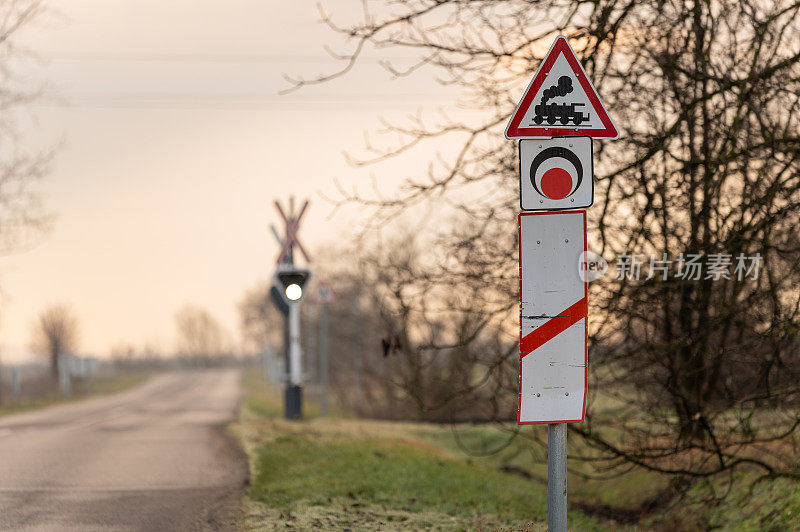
{"points": [[152, 458]]}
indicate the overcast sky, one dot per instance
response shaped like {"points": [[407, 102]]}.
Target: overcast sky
{"points": [[173, 144]]}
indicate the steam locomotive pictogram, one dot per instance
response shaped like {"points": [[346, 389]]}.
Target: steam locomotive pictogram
{"points": [[564, 112]]}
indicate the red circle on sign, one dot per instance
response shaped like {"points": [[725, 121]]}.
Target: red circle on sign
{"points": [[556, 183]]}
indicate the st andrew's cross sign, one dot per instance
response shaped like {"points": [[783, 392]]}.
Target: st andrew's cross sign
{"points": [[292, 222]]}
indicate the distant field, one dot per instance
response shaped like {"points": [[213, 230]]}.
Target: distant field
{"points": [[342, 473], [99, 385]]}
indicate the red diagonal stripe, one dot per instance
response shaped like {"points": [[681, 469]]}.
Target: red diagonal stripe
{"points": [[552, 328]]}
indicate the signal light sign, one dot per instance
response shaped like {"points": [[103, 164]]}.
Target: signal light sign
{"points": [[556, 174], [290, 282]]}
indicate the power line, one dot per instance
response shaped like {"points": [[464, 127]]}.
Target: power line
{"points": [[196, 57], [259, 96], [166, 100], [221, 105]]}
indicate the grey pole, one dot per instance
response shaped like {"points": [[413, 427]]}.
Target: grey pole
{"points": [[359, 362], [286, 343], [266, 356], [323, 356], [295, 370], [15, 384], [557, 477], [87, 374], [64, 374], [294, 393]]}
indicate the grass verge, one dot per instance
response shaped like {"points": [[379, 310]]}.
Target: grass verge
{"points": [[369, 475], [337, 473]]}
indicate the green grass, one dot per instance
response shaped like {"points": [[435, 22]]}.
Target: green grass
{"points": [[294, 470], [335, 473], [485, 445], [368, 475], [769, 506], [266, 402]]}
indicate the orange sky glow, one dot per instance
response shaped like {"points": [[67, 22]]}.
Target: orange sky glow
{"points": [[172, 142]]}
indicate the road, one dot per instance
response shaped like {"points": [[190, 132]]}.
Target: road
{"points": [[152, 458]]}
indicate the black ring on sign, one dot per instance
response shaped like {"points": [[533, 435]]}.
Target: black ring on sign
{"points": [[556, 151]]}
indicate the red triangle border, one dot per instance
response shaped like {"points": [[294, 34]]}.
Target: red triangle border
{"points": [[514, 131]]}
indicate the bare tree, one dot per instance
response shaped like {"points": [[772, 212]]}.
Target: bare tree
{"points": [[22, 216], [443, 348], [390, 356], [55, 333], [259, 321], [707, 95], [200, 336]]}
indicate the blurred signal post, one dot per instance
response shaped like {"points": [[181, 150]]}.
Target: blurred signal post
{"points": [[287, 292]]}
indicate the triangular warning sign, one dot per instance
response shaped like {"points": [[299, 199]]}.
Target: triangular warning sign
{"points": [[560, 101]]}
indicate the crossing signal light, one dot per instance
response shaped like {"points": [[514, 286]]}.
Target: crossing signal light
{"points": [[292, 282]]}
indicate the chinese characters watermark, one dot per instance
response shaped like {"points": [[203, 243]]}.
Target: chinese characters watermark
{"points": [[686, 267]]}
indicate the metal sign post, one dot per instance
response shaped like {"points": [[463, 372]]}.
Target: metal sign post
{"points": [[64, 375], [15, 384], [295, 368], [561, 107], [324, 297], [557, 476], [323, 357], [266, 363]]}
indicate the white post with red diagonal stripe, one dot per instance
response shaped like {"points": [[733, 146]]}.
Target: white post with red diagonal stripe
{"points": [[553, 328]]}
